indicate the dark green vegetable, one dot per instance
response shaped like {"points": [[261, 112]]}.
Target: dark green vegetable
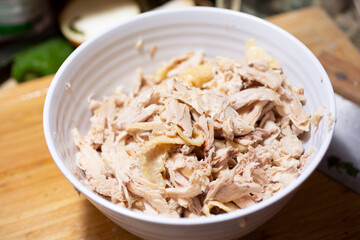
{"points": [[40, 60], [335, 161]]}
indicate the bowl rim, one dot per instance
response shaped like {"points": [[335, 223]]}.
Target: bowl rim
{"points": [[94, 198]]}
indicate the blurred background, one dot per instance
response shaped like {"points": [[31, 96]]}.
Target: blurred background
{"points": [[36, 36]]}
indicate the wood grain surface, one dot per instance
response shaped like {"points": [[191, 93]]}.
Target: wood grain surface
{"points": [[340, 58], [37, 202]]}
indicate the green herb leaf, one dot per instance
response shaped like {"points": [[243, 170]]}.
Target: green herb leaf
{"points": [[335, 161]]}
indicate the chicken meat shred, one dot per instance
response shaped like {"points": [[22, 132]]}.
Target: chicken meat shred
{"points": [[198, 137]]}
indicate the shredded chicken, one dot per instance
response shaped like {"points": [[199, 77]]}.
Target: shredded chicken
{"points": [[317, 115], [67, 86], [198, 137], [332, 120], [139, 44], [152, 51]]}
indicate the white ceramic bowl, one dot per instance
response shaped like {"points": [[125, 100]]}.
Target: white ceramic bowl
{"points": [[98, 66]]}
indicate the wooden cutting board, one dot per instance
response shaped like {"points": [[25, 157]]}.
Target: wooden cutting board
{"points": [[37, 202]]}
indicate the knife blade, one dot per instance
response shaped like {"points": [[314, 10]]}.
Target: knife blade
{"points": [[342, 160]]}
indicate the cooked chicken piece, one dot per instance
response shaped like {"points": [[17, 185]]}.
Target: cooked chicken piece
{"points": [[259, 176], [303, 159], [138, 111], [94, 104], [268, 108], [283, 175], [231, 187], [179, 65], [291, 145], [270, 78], [268, 116], [129, 116], [226, 64], [222, 156], [147, 208], [239, 126], [274, 130], [102, 116], [179, 114], [299, 93], [186, 149], [152, 193], [197, 76], [261, 155], [214, 105], [251, 114], [317, 115], [109, 187], [141, 83], [91, 162], [271, 189], [207, 126], [251, 95], [297, 131], [175, 206], [195, 59], [197, 138], [138, 82], [255, 136], [161, 74], [255, 54], [297, 114], [144, 126], [188, 175], [219, 207], [244, 201], [194, 207], [292, 107], [88, 158], [332, 120]]}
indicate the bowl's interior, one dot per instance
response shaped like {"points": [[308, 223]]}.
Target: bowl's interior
{"points": [[101, 65]]}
